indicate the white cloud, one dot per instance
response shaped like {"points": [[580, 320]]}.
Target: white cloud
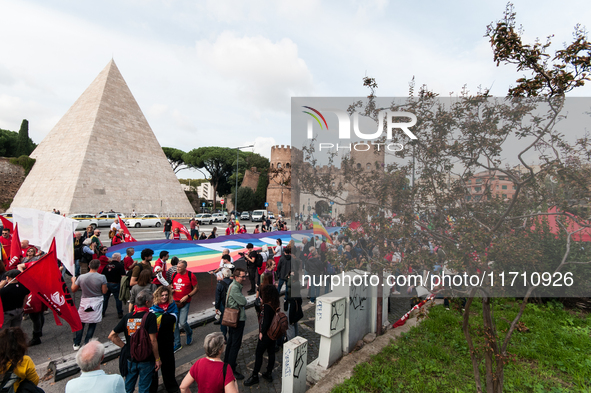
{"points": [[265, 72]]}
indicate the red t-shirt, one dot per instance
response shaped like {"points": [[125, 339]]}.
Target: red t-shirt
{"points": [[127, 262], [182, 285], [176, 236], [162, 266], [104, 262], [228, 231], [209, 374]]}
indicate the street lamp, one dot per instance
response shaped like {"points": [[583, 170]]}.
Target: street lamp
{"points": [[236, 198]]}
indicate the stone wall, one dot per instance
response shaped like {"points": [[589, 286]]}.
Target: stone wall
{"points": [[11, 178], [251, 179]]}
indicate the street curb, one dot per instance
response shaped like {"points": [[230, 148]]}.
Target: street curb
{"points": [[343, 369], [66, 366]]}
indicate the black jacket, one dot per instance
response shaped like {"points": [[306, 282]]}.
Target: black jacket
{"points": [[220, 292], [284, 266]]}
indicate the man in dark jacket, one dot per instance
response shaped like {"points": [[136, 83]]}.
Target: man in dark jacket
{"points": [[251, 267], [167, 227], [221, 290], [315, 269], [284, 270]]}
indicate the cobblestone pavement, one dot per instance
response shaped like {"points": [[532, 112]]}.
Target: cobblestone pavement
{"points": [[398, 307]]}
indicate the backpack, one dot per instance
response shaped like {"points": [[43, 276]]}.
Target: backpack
{"points": [[190, 279], [140, 345], [278, 326], [8, 381], [258, 261], [124, 287]]}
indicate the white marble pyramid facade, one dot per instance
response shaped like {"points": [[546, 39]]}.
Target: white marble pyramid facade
{"points": [[102, 155]]}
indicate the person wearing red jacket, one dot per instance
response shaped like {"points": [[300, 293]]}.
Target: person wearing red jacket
{"points": [[6, 241]]}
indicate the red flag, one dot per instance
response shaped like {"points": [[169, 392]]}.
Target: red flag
{"points": [[44, 279], [128, 237], [6, 223], [16, 252], [183, 229]]}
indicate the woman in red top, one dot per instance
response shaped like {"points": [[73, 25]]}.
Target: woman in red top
{"points": [[176, 234], [102, 256], [256, 230], [208, 372]]}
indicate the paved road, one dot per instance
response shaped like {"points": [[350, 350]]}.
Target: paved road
{"points": [[57, 340]]}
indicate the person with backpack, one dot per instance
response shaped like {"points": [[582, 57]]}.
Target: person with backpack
{"points": [[144, 265], [140, 328], [184, 286], [221, 291], [270, 298]]}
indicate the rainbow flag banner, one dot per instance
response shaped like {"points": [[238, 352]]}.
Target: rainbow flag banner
{"points": [[204, 255], [319, 229]]}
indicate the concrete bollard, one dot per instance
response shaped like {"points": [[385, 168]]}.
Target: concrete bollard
{"points": [[295, 360], [330, 322]]}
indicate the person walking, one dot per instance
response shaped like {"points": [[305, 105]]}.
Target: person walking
{"points": [[184, 286], [211, 373], [284, 270], [167, 227], [113, 272], [92, 378], [93, 286], [194, 229], [139, 371], [236, 300], [270, 299], [166, 316]]}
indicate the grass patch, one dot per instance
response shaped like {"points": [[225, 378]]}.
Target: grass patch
{"points": [[554, 355]]}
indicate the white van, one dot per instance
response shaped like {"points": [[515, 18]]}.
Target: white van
{"points": [[257, 215]]}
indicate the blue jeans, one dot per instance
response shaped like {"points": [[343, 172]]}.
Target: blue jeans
{"points": [[144, 371], [112, 288], [77, 267], [183, 314], [280, 285], [89, 334], [167, 234]]}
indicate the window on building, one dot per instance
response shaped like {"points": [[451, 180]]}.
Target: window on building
{"points": [[497, 187], [501, 177], [504, 187], [478, 181], [477, 189], [514, 187], [358, 166], [468, 197], [504, 196], [368, 166], [278, 165], [287, 165]]}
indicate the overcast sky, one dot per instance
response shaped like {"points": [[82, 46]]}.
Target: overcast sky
{"points": [[223, 72]]}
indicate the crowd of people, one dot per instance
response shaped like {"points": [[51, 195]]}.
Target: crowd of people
{"points": [[152, 301]]}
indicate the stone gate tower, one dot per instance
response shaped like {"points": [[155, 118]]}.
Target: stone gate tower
{"points": [[280, 181]]}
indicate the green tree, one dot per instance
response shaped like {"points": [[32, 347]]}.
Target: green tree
{"points": [[25, 145], [217, 161], [246, 198], [462, 137], [175, 158]]}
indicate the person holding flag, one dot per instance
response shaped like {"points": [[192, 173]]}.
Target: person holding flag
{"points": [[181, 229], [127, 236], [6, 241], [318, 229]]}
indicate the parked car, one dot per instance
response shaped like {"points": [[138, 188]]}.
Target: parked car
{"points": [[205, 218], [219, 217], [245, 216], [257, 215], [84, 220], [106, 219], [146, 220]]}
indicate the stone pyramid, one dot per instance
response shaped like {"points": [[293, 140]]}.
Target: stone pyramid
{"points": [[103, 155]]}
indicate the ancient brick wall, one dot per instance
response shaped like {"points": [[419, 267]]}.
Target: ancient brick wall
{"points": [[251, 179], [11, 178]]}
